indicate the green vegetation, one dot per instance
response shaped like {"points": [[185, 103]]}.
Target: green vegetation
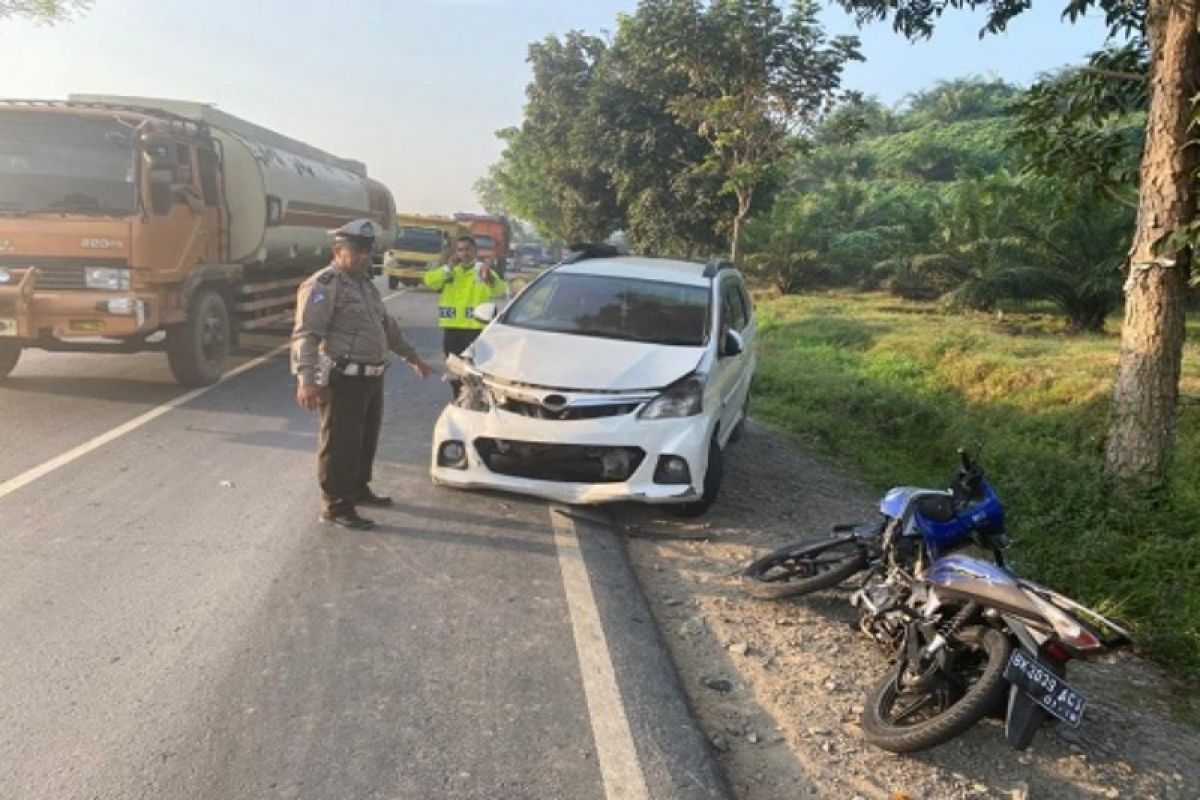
{"points": [[932, 202], [891, 387]]}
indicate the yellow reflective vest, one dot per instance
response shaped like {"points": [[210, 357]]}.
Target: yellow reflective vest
{"points": [[461, 292]]}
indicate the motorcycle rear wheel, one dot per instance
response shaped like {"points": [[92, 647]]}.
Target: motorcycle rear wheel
{"points": [[896, 719], [804, 567]]}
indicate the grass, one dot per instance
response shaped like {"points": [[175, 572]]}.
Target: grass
{"points": [[890, 388]]}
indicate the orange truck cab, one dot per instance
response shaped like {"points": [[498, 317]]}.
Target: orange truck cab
{"points": [[123, 218]]}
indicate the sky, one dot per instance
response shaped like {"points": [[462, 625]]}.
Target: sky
{"points": [[417, 88]]}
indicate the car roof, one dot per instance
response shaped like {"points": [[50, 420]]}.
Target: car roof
{"points": [[667, 270]]}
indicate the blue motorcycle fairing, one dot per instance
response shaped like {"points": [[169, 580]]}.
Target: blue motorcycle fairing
{"points": [[984, 517], [897, 499]]}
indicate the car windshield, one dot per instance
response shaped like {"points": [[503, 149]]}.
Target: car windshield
{"points": [[59, 163], [614, 308], [419, 240]]}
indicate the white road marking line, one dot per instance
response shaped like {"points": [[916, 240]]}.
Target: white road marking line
{"points": [[41, 470], [615, 749]]}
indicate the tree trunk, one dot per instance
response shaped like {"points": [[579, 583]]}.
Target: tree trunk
{"points": [[1147, 382], [735, 247]]}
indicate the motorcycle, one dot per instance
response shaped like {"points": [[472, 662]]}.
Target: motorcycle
{"points": [[976, 640], [915, 527]]}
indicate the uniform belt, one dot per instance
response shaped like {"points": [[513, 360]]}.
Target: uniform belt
{"points": [[353, 369]]}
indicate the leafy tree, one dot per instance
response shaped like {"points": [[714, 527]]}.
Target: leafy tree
{"points": [[1086, 125], [47, 11], [650, 154], [755, 77], [1147, 384], [547, 173]]}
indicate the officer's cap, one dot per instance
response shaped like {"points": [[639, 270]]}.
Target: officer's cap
{"points": [[359, 231]]}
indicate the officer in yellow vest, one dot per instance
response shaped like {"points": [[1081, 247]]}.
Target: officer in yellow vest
{"points": [[464, 285]]}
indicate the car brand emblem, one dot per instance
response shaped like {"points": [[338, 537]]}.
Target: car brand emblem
{"points": [[554, 402]]}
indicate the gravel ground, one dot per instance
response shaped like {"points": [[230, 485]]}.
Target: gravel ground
{"points": [[779, 686]]}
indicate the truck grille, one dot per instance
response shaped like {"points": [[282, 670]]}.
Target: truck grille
{"points": [[566, 463], [60, 276], [64, 272]]}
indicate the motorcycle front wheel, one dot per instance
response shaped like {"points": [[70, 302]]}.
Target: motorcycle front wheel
{"points": [[906, 712], [804, 567]]}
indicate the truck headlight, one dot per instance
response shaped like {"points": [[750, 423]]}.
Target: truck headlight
{"points": [[109, 279], [684, 398]]}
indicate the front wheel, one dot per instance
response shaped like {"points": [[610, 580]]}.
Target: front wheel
{"points": [[393, 282], [198, 348], [804, 567], [10, 354], [914, 709]]}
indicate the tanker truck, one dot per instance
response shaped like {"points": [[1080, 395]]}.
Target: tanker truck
{"points": [[133, 224]]}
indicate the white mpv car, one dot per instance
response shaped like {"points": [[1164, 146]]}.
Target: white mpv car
{"points": [[608, 378]]}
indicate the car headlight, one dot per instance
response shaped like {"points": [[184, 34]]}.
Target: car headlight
{"points": [[109, 279], [5, 275], [684, 398]]}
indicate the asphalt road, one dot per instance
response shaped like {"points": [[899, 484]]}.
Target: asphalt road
{"points": [[175, 623]]}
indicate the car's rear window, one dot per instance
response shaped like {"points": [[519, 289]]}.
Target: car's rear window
{"points": [[614, 308]]}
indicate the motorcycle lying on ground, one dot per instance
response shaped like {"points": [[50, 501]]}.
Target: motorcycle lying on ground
{"points": [[974, 637], [916, 526]]}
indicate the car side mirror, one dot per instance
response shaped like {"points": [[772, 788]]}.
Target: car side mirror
{"points": [[732, 344], [486, 312]]}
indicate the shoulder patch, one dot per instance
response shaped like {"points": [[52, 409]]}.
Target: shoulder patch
{"points": [[326, 277], [316, 296]]}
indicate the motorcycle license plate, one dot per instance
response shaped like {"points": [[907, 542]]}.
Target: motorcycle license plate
{"points": [[8, 327], [1050, 691]]}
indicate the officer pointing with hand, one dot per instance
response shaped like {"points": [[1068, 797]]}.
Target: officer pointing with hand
{"points": [[340, 350]]}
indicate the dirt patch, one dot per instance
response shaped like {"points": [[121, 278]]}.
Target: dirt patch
{"points": [[778, 686]]}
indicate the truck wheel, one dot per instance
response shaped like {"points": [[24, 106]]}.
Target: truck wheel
{"points": [[10, 354], [198, 349], [393, 282]]}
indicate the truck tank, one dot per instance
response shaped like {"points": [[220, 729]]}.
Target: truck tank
{"points": [[283, 195]]}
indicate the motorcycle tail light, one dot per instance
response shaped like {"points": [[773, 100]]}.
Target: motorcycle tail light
{"points": [[1069, 630]]}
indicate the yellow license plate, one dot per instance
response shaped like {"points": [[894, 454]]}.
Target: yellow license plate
{"points": [[8, 327], [86, 325]]}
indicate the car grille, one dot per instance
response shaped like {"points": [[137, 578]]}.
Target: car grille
{"points": [[565, 463], [538, 411]]}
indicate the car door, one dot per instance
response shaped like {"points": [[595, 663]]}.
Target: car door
{"points": [[732, 372]]}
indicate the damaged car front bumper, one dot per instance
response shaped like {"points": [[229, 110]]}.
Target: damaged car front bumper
{"points": [[573, 448]]}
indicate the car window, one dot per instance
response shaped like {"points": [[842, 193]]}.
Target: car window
{"points": [[747, 303], [614, 308], [733, 308]]}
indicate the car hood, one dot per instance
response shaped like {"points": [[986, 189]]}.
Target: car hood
{"points": [[580, 363]]}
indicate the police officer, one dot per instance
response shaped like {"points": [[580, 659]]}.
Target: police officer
{"points": [[339, 354], [463, 285]]}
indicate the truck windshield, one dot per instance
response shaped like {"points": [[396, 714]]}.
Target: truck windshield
{"points": [[53, 162], [484, 242], [419, 240], [614, 308]]}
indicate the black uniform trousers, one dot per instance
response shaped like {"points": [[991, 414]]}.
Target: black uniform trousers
{"points": [[350, 420], [454, 341]]}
